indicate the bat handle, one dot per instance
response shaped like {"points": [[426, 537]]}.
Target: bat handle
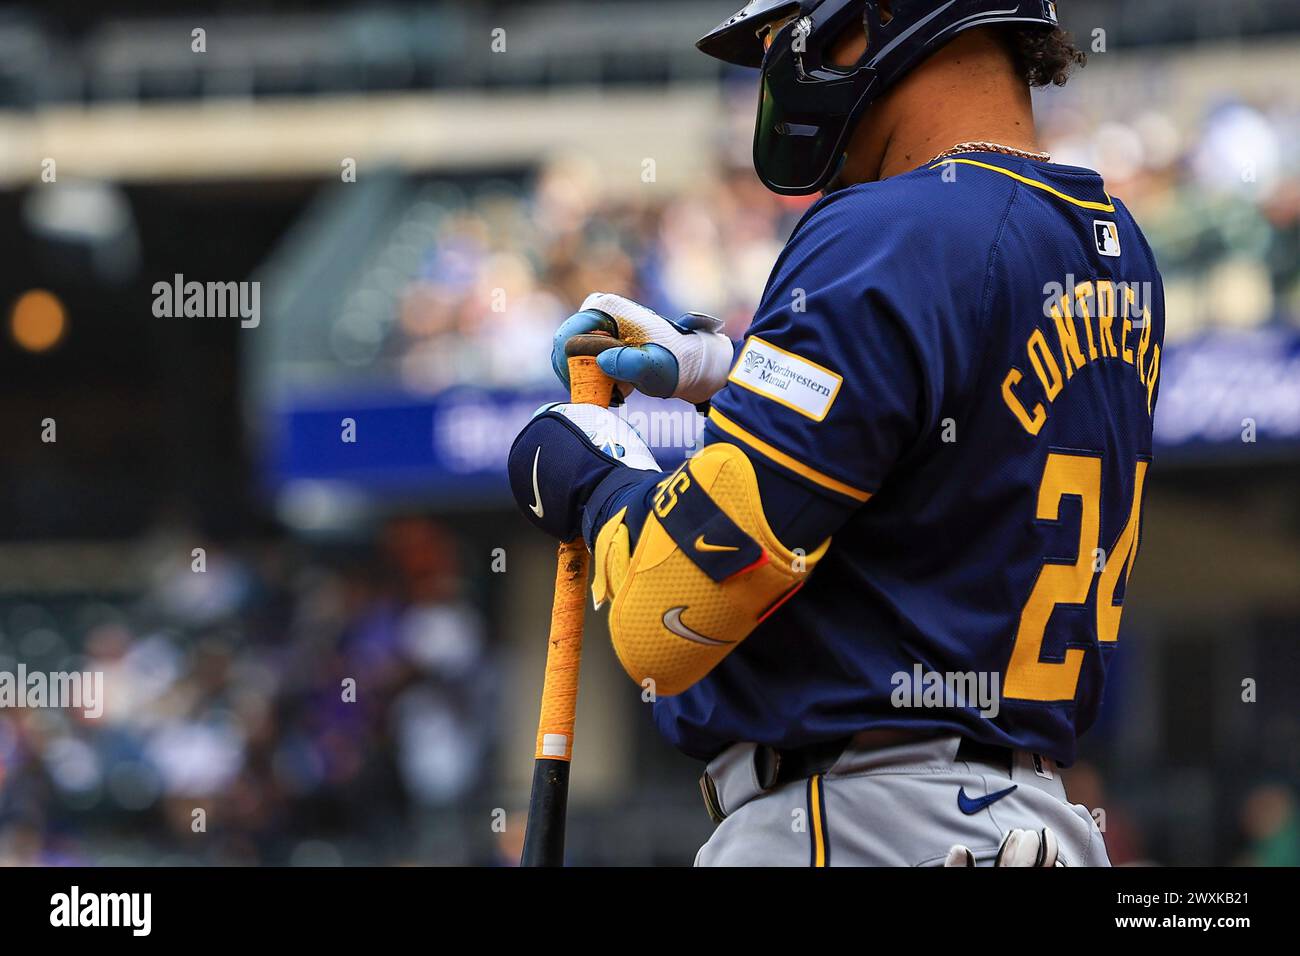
{"points": [[588, 384], [544, 838]]}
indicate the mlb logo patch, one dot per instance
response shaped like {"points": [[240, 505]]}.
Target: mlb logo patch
{"points": [[1106, 237]]}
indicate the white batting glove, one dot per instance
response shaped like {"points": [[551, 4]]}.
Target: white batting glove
{"points": [[686, 358], [1020, 848]]}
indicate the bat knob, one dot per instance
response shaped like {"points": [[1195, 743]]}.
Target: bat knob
{"points": [[590, 343]]}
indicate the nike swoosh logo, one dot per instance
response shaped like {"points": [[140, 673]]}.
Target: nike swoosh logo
{"points": [[702, 545], [536, 506], [673, 621], [969, 806]]}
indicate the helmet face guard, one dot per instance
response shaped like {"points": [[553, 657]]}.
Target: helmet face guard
{"points": [[808, 106]]}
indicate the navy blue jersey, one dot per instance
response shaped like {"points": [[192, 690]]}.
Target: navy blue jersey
{"points": [[966, 359]]}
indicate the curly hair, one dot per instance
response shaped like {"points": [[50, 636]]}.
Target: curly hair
{"points": [[1044, 57]]}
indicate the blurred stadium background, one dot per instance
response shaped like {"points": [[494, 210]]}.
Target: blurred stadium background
{"points": [[494, 189]]}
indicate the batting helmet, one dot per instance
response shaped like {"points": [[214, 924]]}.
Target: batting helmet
{"points": [[808, 107]]}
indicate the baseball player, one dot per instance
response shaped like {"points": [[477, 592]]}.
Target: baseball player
{"points": [[881, 600]]}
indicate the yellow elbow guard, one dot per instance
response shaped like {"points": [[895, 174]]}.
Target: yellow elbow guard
{"points": [[706, 570]]}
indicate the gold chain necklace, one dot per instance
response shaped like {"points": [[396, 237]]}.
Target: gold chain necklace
{"points": [[992, 148]]}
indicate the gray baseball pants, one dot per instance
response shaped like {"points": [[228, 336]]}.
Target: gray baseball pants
{"points": [[900, 805]]}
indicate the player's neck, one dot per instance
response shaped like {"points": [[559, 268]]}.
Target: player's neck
{"points": [[908, 147], [968, 92]]}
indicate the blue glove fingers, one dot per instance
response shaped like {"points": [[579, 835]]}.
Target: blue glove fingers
{"points": [[583, 322], [651, 368]]}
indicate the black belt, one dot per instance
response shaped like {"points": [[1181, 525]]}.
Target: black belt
{"points": [[774, 767], [972, 751]]}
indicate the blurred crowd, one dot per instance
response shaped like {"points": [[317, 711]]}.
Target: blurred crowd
{"points": [[493, 270], [259, 708]]}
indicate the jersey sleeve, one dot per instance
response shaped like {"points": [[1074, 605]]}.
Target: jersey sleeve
{"points": [[860, 330]]}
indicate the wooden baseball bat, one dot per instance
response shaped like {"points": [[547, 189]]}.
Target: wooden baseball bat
{"points": [[544, 837]]}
